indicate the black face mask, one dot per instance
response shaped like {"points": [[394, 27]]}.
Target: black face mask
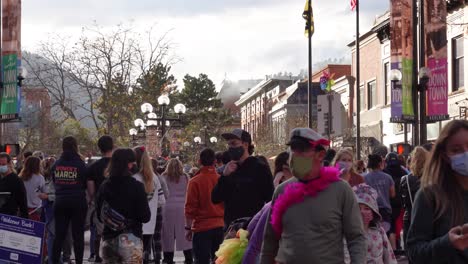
{"points": [[134, 169], [236, 153]]}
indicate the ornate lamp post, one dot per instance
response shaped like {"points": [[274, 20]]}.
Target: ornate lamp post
{"points": [[159, 122], [213, 140]]}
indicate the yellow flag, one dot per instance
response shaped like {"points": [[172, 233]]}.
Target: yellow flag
{"points": [[308, 15]]}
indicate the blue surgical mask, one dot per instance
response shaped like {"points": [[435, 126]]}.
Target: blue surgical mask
{"points": [[3, 169], [459, 163]]}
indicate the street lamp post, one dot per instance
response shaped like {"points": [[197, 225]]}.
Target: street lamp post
{"points": [[424, 76], [213, 140], [395, 77], [133, 132], [161, 121]]}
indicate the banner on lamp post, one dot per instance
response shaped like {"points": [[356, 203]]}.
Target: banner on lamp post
{"points": [[435, 32], [11, 59], [10, 103], [402, 107]]}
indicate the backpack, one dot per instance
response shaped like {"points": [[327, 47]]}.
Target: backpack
{"points": [[240, 223]]}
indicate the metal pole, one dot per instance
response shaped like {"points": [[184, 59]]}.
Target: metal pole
{"points": [[1, 66], [423, 85], [163, 127], [414, 79], [330, 117], [358, 88], [405, 129], [309, 81]]}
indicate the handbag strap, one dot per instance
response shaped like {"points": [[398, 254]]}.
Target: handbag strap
{"points": [[409, 189]]}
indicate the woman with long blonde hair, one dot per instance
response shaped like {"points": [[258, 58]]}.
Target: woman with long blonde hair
{"points": [[436, 233], [173, 231], [344, 160], [154, 194]]}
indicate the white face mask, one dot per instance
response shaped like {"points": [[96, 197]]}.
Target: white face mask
{"points": [[459, 163], [345, 165], [3, 169]]}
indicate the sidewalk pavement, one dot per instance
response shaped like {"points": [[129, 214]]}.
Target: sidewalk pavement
{"points": [[179, 256]]}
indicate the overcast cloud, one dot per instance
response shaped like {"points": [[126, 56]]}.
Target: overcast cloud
{"points": [[239, 38]]}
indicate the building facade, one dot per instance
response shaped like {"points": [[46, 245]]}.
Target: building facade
{"points": [[375, 84]]}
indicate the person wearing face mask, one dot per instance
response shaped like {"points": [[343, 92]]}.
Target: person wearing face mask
{"points": [[282, 171], [384, 185], [246, 184], [312, 213], [394, 168], [344, 162], [122, 205], [379, 250], [13, 199], [438, 232]]}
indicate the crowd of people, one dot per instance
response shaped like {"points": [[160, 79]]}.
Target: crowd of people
{"points": [[317, 205]]}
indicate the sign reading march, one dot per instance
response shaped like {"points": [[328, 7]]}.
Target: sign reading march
{"points": [[9, 107], [20, 240]]}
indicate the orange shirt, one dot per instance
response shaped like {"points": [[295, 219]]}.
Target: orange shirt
{"points": [[198, 205]]}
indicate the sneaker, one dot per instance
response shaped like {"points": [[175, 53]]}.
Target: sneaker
{"points": [[91, 258], [98, 259]]}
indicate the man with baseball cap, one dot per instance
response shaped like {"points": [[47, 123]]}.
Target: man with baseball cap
{"points": [[246, 184], [313, 212]]}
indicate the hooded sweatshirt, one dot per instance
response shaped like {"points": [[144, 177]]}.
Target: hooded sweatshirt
{"points": [[69, 175]]}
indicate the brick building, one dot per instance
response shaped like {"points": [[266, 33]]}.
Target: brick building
{"points": [[375, 82]]}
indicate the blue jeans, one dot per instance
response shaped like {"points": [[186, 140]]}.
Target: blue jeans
{"points": [[205, 244]]}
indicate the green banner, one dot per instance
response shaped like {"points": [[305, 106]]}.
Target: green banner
{"points": [[9, 107], [407, 95]]}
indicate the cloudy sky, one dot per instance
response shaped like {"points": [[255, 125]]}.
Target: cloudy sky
{"points": [[237, 38]]}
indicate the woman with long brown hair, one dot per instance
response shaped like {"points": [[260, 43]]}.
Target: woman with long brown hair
{"points": [[154, 194], [34, 182], [173, 230], [410, 183], [440, 210]]}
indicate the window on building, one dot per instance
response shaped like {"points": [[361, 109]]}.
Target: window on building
{"points": [[362, 97], [371, 94], [458, 56], [387, 83]]}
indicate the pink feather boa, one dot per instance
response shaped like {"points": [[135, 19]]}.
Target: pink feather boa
{"points": [[296, 192]]}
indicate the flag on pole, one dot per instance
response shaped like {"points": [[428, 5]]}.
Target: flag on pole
{"points": [[353, 4], [309, 18]]}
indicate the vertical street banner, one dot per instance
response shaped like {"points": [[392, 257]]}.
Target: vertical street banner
{"points": [[435, 31], [20, 240], [9, 107], [402, 108], [11, 59]]}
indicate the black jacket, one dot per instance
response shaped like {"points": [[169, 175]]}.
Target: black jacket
{"points": [[396, 172], [428, 240], [14, 203], [245, 191], [69, 176], [414, 184], [127, 196]]}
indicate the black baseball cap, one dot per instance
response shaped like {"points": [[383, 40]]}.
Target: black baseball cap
{"points": [[238, 133]]}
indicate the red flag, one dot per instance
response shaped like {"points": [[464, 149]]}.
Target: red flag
{"points": [[353, 4]]}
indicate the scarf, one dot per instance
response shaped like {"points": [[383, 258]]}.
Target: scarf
{"points": [[296, 192]]}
